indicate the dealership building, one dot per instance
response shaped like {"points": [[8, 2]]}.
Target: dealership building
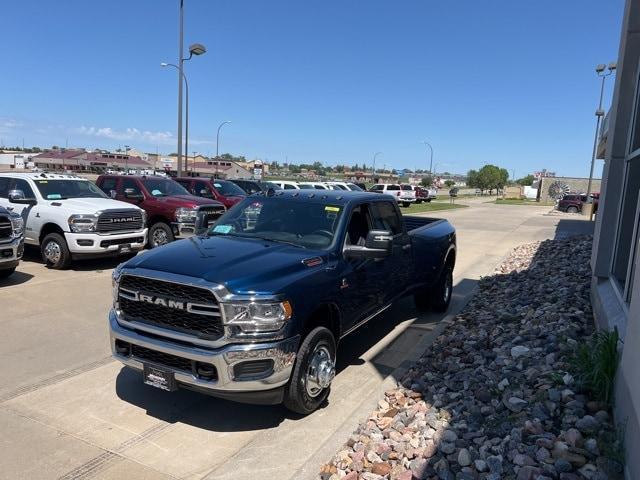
{"points": [[616, 251]]}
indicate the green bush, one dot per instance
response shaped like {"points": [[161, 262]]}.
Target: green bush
{"points": [[594, 364]]}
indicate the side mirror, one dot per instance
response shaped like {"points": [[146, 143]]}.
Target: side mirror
{"points": [[113, 194], [377, 245], [205, 193], [131, 194], [17, 196]]}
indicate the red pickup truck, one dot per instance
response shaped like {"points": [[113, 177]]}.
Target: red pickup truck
{"points": [[172, 212], [226, 192]]}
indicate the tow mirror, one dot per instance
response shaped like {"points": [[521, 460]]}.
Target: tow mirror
{"points": [[377, 245], [17, 196], [131, 194]]}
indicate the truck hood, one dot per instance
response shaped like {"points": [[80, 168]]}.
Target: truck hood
{"points": [[242, 265], [188, 201], [90, 205]]}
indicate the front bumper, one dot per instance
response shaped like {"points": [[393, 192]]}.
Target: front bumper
{"points": [[11, 253], [282, 354], [96, 244], [184, 229]]}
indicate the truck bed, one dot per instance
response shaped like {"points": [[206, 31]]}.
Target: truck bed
{"points": [[415, 222]]}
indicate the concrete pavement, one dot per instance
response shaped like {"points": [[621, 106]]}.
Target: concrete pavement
{"points": [[68, 411]]}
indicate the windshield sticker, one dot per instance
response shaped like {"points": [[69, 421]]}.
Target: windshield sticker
{"points": [[54, 196], [332, 209], [155, 192], [222, 228], [43, 181], [217, 185]]}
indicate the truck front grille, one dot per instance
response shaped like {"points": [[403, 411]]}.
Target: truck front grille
{"points": [[169, 305], [208, 214], [5, 228], [120, 220]]}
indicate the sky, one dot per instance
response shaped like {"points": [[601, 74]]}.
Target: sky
{"points": [[506, 82]]}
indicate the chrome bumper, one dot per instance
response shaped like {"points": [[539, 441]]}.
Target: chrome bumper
{"points": [[283, 354], [11, 252]]}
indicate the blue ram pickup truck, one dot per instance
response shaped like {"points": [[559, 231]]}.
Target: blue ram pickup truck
{"points": [[254, 309]]}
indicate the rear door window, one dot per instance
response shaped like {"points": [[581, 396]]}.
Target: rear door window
{"points": [[201, 189]]}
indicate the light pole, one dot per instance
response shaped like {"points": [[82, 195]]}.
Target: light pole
{"points": [[194, 49], [218, 143], [374, 164], [603, 71], [126, 159], [186, 114], [431, 161]]}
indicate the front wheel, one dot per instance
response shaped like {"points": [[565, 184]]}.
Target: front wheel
{"points": [[55, 252], [6, 273], [572, 209], [429, 200], [418, 202], [313, 372], [406, 204], [160, 234]]}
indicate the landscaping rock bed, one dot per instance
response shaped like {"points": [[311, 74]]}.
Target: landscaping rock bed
{"points": [[492, 398]]}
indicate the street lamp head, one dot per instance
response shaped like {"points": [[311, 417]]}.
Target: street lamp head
{"points": [[612, 66], [164, 64], [600, 68], [197, 49]]}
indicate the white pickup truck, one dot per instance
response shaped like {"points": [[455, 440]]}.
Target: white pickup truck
{"points": [[71, 218]]}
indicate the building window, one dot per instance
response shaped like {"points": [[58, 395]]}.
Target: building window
{"points": [[627, 234]]}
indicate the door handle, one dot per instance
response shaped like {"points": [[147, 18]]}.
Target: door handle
{"points": [[406, 247]]}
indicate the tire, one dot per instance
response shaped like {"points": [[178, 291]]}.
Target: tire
{"points": [[300, 396], [429, 200], [572, 209], [438, 296], [418, 202], [55, 252], [159, 234], [6, 273], [406, 204]]}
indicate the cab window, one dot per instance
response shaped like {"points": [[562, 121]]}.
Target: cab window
{"points": [[20, 184], [385, 217], [109, 184], [201, 189]]}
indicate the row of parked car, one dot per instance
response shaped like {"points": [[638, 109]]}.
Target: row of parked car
{"points": [[71, 218]]}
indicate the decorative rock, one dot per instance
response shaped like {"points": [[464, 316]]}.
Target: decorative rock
{"points": [[442, 469], [515, 404], [494, 463], [562, 465], [481, 465], [381, 468], [519, 351], [522, 460], [528, 473], [447, 448], [591, 445], [464, 457], [542, 454], [449, 436], [419, 468], [587, 424], [504, 383], [573, 437]]}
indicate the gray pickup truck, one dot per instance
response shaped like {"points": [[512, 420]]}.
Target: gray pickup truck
{"points": [[11, 241]]}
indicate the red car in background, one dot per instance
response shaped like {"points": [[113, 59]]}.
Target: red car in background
{"points": [[224, 191], [572, 202]]}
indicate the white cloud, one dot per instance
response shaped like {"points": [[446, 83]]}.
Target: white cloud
{"points": [[129, 134]]}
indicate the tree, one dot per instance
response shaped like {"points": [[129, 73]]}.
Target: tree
{"points": [[473, 180], [449, 183], [426, 181], [526, 181]]}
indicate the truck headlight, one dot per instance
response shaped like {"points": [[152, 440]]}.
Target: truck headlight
{"points": [[254, 317], [83, 223], [17, 226], [115, 282], [186, 215]]}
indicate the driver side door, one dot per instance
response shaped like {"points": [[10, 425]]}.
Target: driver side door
{"points": [[362, 282]]}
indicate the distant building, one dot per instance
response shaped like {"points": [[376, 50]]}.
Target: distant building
{"points": [[15, 160], [81, 160]]}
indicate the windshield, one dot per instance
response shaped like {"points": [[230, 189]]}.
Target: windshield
{"points": [[160, 187], [61, 189], [406, 187], [305, 186], [286, 220], [354, 187], [228, 189]]}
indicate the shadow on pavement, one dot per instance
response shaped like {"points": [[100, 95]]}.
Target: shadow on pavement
{"points": [[16, 278], [32, 254]]}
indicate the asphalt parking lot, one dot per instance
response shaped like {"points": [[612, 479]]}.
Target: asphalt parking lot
{"points": [[68, 411]]}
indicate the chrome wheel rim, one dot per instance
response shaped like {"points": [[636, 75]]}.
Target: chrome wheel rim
{"points": [[320, 372], [159, 237], [52, 252]]}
